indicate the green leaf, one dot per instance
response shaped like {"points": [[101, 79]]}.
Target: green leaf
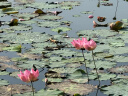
{"points": [[3, 82], [61, 29], [49, 17]]}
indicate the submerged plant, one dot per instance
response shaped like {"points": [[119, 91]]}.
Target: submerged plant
{"points": [[29, 76]]}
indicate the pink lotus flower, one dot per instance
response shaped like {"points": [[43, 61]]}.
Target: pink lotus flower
{"points": [[90, 45], [79, 44], [29, 76], [90, 16]]}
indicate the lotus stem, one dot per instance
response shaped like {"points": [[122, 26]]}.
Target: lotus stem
{"points": [[32, 88], [85, 64], [95, 67]]}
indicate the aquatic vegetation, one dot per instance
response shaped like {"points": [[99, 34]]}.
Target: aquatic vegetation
{"points": [[42, 36]]}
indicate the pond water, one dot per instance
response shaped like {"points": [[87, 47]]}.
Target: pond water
{"points": [[79, 21]]}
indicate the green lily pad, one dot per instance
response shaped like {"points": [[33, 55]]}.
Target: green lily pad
{"points": [[26, 16], [49, 17], [63, 70], [18, 59], [87, 12], [28, 22], [3, 82], [76, 15], [64, 53], [103, 55], [49, 24], [27, 37], [67, 7], [29, 64], [70, 3], [14, 74], [14, 47], [42, 5], [5, 4], [4, 73], [96, 33], [118, 58], [20, 28], [115, 90], [24, 1], [61, 29], [101, 64]]}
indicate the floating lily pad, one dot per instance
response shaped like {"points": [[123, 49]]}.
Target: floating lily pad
{"points": [[118, 58], [96, 33], [49, 17], [64, 53], [28, 22], [103, 55], [49, 24], [73, 88], [63, 70], [101, 64], [115, 90], [5, 4], [67, 7], [87, 12], [61, 29], [70, 3], [27, 37], [3, 82], [4, 73], [14, 74], [24, 1], [76, 15], [29, 64], [42, 5], [26, 16], [14, 47], [18, 59], [20, 28]]}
